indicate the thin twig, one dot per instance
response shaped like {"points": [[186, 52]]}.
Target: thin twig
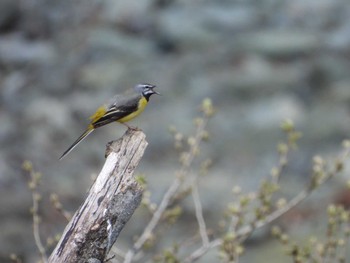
{"points": [[282, 164], [233, 224], [246, 230], [154, 221], [170, 193], [14, 258], [198, 253], [59, 207], [36, 222], [199, 214], [34, 180]]}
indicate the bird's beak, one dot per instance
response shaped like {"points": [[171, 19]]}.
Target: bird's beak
{"points": [[156, 92]]}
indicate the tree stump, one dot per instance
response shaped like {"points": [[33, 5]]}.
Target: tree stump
{"points": [[111, 201]]}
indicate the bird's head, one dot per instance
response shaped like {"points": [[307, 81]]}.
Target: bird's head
{"points": [[146, 90]]}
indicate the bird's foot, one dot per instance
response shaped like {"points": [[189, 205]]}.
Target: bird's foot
{"points": [[132, 127]]}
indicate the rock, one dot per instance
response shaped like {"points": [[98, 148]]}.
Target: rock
{"points": [[228, 18], [12, 85], [7, 129], [186, 29], [279, 43], [9, 14], [17, 50], [254, 74], [313, 13], [267, 113], [117, 44], [102, 74], [325, 120], [118, 10], [340, 38], [340, 91], [37, 112]]}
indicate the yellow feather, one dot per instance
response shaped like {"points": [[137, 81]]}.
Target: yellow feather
{"points": [[101, 113], [142, 105], [98, 114]]}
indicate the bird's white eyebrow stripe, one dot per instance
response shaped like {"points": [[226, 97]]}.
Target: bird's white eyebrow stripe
{"points": [[148, 90]]}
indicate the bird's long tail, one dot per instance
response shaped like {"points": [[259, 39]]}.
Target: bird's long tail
{"points": [[81, 137]]}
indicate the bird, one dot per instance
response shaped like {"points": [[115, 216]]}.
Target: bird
{"points": [[122, 108]]}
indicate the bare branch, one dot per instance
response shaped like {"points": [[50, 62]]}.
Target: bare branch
{"points": [[36, 223], [154, 221], [244, 232], [33, 183], [59, 207], [171, 192], [199, 214]]}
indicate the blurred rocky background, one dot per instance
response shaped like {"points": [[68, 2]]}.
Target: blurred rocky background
{"points": [[260, 61]]}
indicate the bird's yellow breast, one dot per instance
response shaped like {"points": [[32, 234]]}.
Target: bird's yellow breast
{"points": [[141, 106]]}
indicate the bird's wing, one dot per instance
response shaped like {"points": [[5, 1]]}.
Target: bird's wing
{"points": [[118, 109]]}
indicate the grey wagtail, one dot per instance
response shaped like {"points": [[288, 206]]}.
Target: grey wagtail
{"points": [[121, 109]]}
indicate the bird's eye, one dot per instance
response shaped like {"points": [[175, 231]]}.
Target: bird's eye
{"points": [[147, 91]]}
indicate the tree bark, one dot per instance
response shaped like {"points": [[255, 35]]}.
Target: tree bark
{"points": [[111, 201]]}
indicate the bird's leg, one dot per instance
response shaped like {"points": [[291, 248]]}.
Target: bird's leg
{"points": [[130, 127]]}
